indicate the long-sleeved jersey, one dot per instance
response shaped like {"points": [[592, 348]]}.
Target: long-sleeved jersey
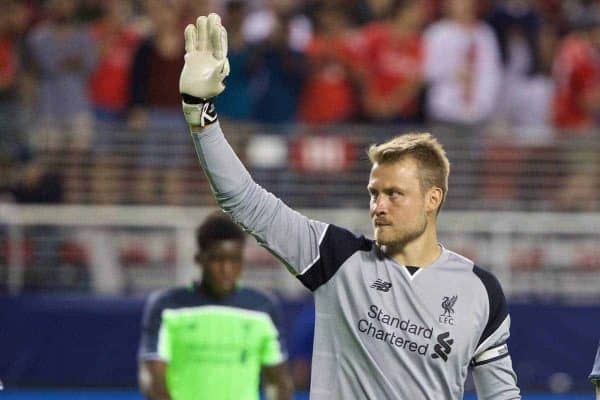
{"points": [[382, 330]]}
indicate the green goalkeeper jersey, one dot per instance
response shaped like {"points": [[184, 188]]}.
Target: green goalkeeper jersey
{"points": [[214, 349]]}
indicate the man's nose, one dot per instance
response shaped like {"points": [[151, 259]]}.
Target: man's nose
{"points": [[379, 206], [228, 267]]}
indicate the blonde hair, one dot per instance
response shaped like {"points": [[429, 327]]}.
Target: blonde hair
{"points": [[426, 150]]}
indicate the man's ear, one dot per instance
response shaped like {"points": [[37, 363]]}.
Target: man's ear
{"points": [[433, 199], [198, 258]]}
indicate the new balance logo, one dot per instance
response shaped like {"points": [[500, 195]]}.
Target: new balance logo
{"points": [[442, 348], [381, 285]]}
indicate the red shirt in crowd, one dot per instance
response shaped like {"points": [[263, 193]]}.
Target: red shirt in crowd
{"points": [[329, 92], [9, 64], [577, 79], [110, 83], [395, 68]]}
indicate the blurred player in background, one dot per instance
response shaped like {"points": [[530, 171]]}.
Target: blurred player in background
{"points": [[595, 375], [400, 317], [213, 339]]}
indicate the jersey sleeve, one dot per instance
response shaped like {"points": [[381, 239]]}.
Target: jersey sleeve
{"points": [[164, 349], [496, 380], [151, 325], [493, 374], [311, 250]]}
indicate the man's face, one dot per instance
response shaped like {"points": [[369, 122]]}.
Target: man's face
{"points": [[397, 206], [222, 265]]}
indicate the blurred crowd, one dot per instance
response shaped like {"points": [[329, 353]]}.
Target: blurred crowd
{"points": [[70, 66]]}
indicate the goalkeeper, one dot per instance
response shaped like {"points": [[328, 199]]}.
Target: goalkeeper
{"points": [[397, 317]]}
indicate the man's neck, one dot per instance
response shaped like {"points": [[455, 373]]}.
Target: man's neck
{"points": [[205, 288], [421, 252]]}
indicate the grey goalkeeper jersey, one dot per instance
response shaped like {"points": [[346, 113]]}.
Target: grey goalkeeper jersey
{"points": [[381, 332]]}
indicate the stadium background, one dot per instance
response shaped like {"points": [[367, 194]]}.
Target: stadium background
{"points": [[100, 190]]}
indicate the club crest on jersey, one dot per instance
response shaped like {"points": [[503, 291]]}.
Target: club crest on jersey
{"points": [[381, 285], [448, 306]]}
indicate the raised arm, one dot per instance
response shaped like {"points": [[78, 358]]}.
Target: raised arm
{"points": [[293, 238]]}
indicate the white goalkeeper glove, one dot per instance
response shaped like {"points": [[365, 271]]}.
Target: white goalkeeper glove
{"points": [[205, 67]]}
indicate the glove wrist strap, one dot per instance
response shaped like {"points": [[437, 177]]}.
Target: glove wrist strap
{"points": [[198, 111]]}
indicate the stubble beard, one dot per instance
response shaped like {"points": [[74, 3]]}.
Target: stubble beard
{"points": [[397, 240]]}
